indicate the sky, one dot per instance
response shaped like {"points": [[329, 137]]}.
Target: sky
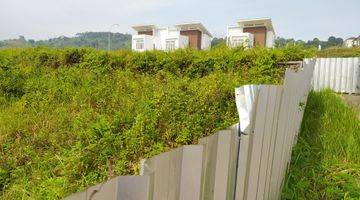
{"points": [[300, 19]]}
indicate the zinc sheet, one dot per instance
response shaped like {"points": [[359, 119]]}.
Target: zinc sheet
{"points": [[339, 74]]}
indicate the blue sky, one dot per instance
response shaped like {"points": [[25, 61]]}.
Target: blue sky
{"points": [[301, 19]]}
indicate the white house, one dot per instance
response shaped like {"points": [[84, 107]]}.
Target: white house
{"points": [[251, 32], [352, 42], [150, 37]]}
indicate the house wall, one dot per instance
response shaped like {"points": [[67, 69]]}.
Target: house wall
{"points": [[157, 43], [259, 34], [238, 31], [194, 38], [183, 41], [270, 39], [356, 42], [166, 34], [160, 35], [352, 42], [148, 42], [205, 41], [234, 30], [189, 38]]}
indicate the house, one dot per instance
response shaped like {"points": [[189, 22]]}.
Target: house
{"points": [[149, 37], [352, 42], [251, 32]]}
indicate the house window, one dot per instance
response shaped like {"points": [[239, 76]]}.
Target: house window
{"points": [[170, 45], [140, 44]]}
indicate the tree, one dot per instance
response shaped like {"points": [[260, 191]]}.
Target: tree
{"points": [[282, 42], [218, 41], [31, 41], [93, 39], [339, 41], [22, 38]]}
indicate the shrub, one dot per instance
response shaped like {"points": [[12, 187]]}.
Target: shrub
{"points": [[75, 117], [184, 62], [11, 82]]}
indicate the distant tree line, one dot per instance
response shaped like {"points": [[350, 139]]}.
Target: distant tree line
{"points": [[330, 42], [218, 41], [98, 40], [283, 42]]}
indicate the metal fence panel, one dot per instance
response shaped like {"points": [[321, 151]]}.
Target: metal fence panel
{"points": [[192, 166], [209, 162], [272, 113], [133, 187], [339, 74], [220, 159], [243, 166], [269, 175], [246, 101], [261, 143], [256, 145], [281, 136], [176, 175], [119, 188], [296, 89]]}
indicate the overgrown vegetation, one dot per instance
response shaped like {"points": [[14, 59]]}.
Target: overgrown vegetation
{"points": [[70, 118], [325, 162], [74, 117], [188, 62], [339, 52]]}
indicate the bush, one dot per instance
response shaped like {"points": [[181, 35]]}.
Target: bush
{"points": [[11, 82], [184, 62], [70, 118]]}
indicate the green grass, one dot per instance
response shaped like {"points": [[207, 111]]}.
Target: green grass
{"points": [[339, 52], [326, 160]]}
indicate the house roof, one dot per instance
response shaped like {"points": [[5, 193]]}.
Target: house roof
{"points": [[183, 26], [193, 26], [354, 38], [148, 27], [257, 22]]}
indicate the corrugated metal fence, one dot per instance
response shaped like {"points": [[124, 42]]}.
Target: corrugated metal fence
{"points": [[339, 74], [247, 161]]}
